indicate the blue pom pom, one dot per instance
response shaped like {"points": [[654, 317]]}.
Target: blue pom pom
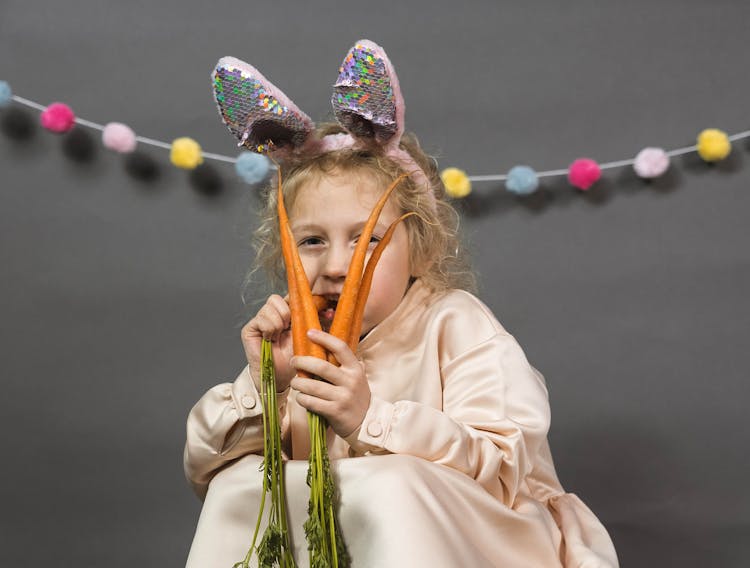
{"points": [[252, 167], [5, 93], [522, 180]]}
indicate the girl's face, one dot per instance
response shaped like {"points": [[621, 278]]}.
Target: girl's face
{"points": [[327, 218]]}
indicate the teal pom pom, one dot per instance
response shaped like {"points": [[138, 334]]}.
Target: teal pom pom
{"points": [[251, 167], [522, 180], [5, 93]]}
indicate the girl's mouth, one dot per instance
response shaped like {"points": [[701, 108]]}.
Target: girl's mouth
{"points": [[327, 312]]}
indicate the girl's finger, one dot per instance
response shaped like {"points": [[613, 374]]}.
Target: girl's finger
{"points": [[285, 316], [280, 306], [320, 368], [339, 348], [269, 323], [316, 405], [314, 387]]}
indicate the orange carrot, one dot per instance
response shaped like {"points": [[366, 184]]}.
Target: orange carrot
{"points": [[342, 321], [300, 297], [309, 311], [364, 287], [298, 336], [320, 302]]}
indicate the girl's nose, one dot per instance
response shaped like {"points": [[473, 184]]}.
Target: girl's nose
{"points": [[337, 262]]}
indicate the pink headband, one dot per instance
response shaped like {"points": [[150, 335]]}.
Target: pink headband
{"points": [[367, 103]]}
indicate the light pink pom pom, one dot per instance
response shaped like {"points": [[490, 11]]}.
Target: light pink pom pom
{"points": [[58, 117], [651, 162], [583, 173], [119, 137]]}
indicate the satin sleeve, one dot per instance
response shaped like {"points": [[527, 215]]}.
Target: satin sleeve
{"points": [[225, 424], [495, 417]]}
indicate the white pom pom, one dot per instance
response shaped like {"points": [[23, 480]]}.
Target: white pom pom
{"points": [[119, 137], [651, 163]]}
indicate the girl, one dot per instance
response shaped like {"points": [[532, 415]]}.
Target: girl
{"points": [[445, 417]]}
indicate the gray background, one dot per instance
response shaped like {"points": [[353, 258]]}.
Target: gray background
{"points": [[121, 298]]}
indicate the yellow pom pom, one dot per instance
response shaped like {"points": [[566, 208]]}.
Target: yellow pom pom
{"points": [[713, 145], [456, 183], [186, 153]]}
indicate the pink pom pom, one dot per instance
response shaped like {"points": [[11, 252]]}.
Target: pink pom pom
{"points": [[651, 162], [119, 137], [583, 172], [58, 117]]}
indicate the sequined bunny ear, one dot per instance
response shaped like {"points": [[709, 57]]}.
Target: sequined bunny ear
{"points": [[367, 99], [256, 112]]}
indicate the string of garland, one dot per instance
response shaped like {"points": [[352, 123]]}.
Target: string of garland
{"points": [[712, 145]]}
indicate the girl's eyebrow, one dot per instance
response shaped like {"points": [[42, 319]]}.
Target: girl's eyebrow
{"points": [[315, 228], [306, 227]]}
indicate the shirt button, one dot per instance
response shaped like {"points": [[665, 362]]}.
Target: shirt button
{"points": [[248, 401], [374, 429]]}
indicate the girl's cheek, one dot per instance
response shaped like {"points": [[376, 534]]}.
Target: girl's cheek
{"points": [[310, 268]]}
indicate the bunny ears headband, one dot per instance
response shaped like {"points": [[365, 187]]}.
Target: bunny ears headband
{"points": [[367, 103]]}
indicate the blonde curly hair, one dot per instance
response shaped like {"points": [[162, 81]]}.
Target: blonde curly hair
{"points": [[434, 241]]}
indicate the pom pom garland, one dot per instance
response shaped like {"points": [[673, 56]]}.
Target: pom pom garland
{"points": [[251, 167], [58, 117], [583, 173], [456, 182], [651, 163], [713, 145], [186, 153], [6, 95], [522, 180], [119, 137]]}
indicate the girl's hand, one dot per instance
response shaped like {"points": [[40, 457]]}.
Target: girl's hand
{"points": [[344, 399], [272, 322]]}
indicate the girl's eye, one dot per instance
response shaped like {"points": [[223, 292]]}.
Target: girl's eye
{"points": [[310, 241], [373, 239]]}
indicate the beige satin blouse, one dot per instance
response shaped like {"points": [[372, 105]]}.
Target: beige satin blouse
{"points": [[449, 386]]}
